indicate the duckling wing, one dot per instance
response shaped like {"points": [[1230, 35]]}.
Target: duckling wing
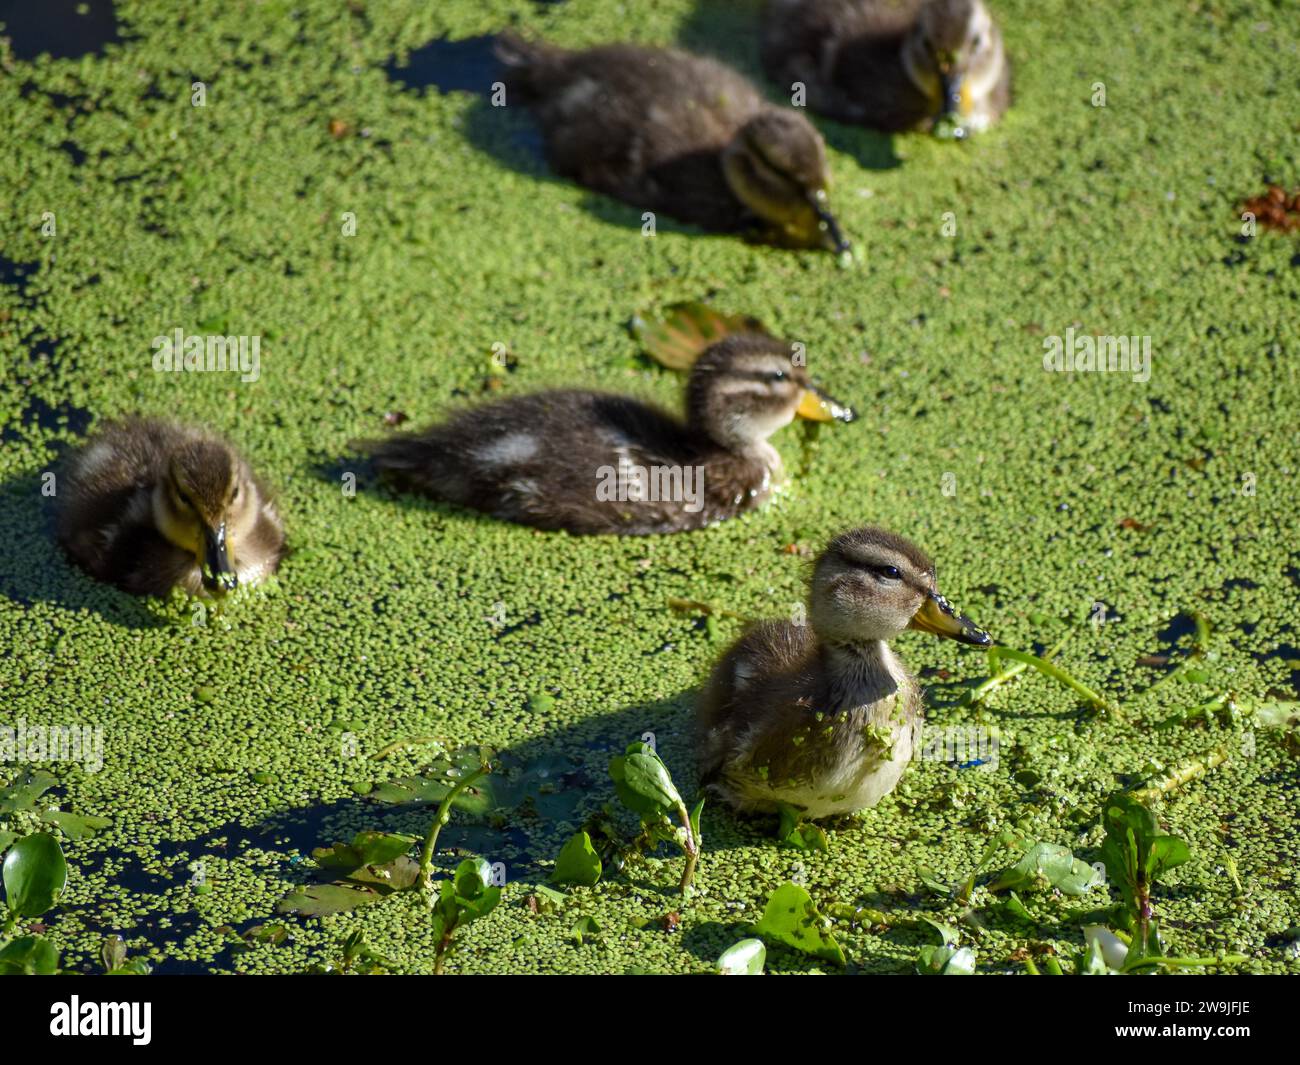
{"points": [[766, 680], [552, 460], [847, 53]]}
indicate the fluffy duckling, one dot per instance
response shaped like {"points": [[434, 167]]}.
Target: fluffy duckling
{"points": [[892, 64], [678, 133], [149, 504], [591, 462], [823, 716]]}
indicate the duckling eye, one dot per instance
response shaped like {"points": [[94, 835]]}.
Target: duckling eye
{"points": [[776, 375], [888, 572]]}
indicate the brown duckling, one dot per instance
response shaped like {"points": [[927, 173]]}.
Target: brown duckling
{"points": [[592, 462], [148, 504], [679, 133], [893, 65], [823, 716]]}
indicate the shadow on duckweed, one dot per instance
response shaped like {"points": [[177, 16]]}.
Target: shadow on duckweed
{"points": [[65, 29]]}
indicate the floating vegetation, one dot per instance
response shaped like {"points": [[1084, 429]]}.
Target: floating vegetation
{"points": [[790, 918], [681, 336], [34, 876], [745, 958], [645, 788]]}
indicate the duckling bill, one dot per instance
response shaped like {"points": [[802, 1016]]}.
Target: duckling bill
{"points": [[893, 65], [148, 505], [824, 716], [679, 133], [592, 462]]}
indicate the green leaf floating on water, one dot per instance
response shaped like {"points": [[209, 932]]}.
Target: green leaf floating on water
{"points": [[801, 835], [366, 848], [643, 783], [745, 958], [946, 961], [578, 862], [22, 794], [29, 956], [35, 875], [362, 886], [76, 826], [320, 900], [791, 918], [684, 332], [1048, 865]]}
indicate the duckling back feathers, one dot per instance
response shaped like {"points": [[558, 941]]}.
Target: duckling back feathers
{"points": [[543, 460], [645, 125]]}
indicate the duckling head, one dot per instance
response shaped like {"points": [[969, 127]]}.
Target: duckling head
{"points": [[206, 504], [746, 387], [954, 55], [776, 166], [869, 585]]}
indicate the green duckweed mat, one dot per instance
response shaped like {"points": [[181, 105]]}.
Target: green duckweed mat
{"points": [[1088, 506]]}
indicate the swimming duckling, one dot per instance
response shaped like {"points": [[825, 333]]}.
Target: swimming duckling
{"points": [[149, 504], [591, 462], [678, 133], [891, 64], [823, 716]]}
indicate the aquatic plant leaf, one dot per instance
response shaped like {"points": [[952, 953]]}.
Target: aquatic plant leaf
{"points": [[1284, 714], [366, 848], [686, 330], [29, 956], [578, 862], [745, 958], [948, 935], [586, 930], [474, 894], [35, 874], [475, 801], [1048, 865], [23, 793], [946, 961], [801, 835], [791, 918], [397, 875], [6, 838], [76, 826], [643, 783], [694, 820], [320, 900]]}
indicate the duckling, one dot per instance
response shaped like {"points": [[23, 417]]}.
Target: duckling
{"points": [[679, 133], [148, 504], [823, 716], [892, 64], [591, 462]]}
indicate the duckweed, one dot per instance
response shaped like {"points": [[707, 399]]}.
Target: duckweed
{"points": [[380, 237]]}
